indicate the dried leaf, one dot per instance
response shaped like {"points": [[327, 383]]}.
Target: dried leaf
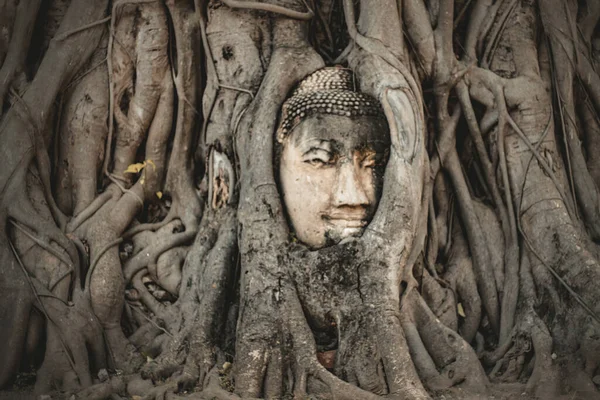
{"points": [[460, 310], [135, 168], [159, 195]]}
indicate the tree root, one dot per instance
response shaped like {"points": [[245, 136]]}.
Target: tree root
{"points": [[171, 359], [42, 230], [16, 316], [89, 211], [169, 362], [482, 269], [271, 8], [149, 336], [8, 11], [26, 15], [390, 314], [424, 364], [20, 138], [158, 309], [83, 129], [207, 274], [101, 391], [461, 278], [159, 246], [451, 354], [73, 331], [441, 299], [306, 364]]}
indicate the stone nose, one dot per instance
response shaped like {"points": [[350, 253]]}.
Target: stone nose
{"points": [[349, 190]]}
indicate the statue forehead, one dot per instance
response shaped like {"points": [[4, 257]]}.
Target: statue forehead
{"points": [[347, 131]]}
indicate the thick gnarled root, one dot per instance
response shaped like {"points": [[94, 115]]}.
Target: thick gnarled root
{"points": [[445, 350], [74, 345], [207, 274]]}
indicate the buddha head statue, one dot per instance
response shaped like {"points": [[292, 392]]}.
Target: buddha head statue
{"points": [[333, 145]]}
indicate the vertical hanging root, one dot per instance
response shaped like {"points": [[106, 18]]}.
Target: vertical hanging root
{"points": [[218, 269], [45, 231], [84, 128], [424, 364], [477, 242], [74, 338], [303, 349], [18, 144], [460, 276], [180, 181], [151, 64], [441, 300], [7, 19], [15, 317], [115, 385], [450, 353], [148, 115], [18, 48], [173, 357], [206, 279]]}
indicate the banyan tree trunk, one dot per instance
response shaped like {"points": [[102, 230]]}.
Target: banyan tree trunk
{"points": [[145, 249]]}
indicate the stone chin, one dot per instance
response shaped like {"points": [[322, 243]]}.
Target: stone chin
{"points": [[351, 232], [335, 235]]}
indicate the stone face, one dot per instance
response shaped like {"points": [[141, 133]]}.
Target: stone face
{"points": [[331, 172], [333, 148]]}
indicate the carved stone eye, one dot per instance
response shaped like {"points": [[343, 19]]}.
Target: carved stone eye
{"points": [[317, 162]]}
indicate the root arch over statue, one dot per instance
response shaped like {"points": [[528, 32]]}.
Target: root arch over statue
{"points": [[171, 229]]}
